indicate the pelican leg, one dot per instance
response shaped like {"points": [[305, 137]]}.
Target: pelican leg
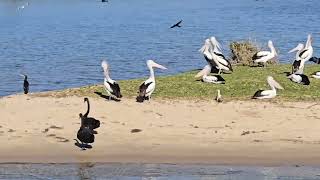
{"points": [[219, 72]]}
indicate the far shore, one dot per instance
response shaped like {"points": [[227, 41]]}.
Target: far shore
{"points": [[38, 129]]}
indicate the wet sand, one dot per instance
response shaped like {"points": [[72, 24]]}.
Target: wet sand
{"points": [[41, 130]]}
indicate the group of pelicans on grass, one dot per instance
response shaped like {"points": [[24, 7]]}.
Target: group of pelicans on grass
{"points": [[217, 62]]}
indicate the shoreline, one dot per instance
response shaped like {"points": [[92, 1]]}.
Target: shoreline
{"points": [[178, 131]]}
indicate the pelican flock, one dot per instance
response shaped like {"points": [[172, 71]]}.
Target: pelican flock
{"points": [[148, 86], [264, 56], [111, 86], [268, 94]]}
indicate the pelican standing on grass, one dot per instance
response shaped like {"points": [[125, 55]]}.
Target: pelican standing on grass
{"points": [[307, 52], [25, 84], [216, 79], [298, 64], [148, 86], [268, 94], [223, 63], [264, 56], [111, 86]]}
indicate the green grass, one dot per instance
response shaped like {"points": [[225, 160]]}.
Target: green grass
{"points": [[241, 84]]}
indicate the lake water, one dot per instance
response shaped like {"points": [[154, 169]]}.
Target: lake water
{"points": [[154, 172], [60, 44]]}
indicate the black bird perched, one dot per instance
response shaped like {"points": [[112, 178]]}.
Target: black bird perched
{"points": [[178, 24], [25, 84]]}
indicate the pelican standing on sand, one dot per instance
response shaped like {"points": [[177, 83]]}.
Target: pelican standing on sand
{"points": [[25, 84], [264, 56], [111, 86], [223, 63], [268, 94], [148, 86], [298, 64], [216, 79]]}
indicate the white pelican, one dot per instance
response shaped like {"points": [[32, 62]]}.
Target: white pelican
{"points": [[148, 86], [299, 78], [205, 50], [307, 52], [223, 64], [298, 64], [219, 97], [264, 56], [216, 79], [111, 86], [267, 94], [316, 75]]}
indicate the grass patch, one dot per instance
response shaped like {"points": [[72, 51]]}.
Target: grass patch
{"points": [[241, 84]]}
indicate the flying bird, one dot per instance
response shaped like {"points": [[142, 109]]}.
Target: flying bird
{"points": [[178, 24], [148, 86]]}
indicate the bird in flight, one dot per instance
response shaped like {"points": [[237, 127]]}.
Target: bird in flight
{"points": [[104, 0], [178, 24]]}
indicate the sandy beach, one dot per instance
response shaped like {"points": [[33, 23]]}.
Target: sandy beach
{"points": [[41, 130]]}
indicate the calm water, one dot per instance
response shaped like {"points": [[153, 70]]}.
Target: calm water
{"points": [[60, 43], [154, 172]]}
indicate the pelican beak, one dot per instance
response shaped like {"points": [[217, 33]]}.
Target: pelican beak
{"points": [[200, 74], [293, 50], [158, 66]]}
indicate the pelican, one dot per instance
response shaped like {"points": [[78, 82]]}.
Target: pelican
{"points": [[264, 56], [298, 64], [216, 79], [111, 86], [316, 75], [219, 97], [148, 86], [307, 52], [223, 63], [25, 83], [299, 78], [267, 94]]}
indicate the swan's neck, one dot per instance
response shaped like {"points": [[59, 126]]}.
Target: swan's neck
{"points": [[88, 109]]}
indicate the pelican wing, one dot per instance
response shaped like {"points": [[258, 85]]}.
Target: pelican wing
{"points": [[260, 54], [304, 54], [115, 89]]}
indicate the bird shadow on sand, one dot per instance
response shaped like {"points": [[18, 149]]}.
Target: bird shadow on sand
{"points": [[82, 146], [107, 97]]}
